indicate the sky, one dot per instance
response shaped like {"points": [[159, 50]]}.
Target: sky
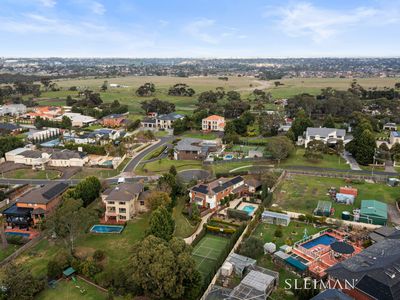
{"points": [[199, 28]]}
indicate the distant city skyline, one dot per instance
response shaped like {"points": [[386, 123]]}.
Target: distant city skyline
{"points": [[199, 29]]}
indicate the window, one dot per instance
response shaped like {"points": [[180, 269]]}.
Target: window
{"points": [[122, 203], [122, 217], [141, 202], [111, 202], [122, 210]]}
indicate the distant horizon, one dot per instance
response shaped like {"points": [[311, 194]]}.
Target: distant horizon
{"points": [[199, 58], [199, 29]]}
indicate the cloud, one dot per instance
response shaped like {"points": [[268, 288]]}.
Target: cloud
{"points": [[48, 3], [200, 30], [97, 8], [305, 19]]}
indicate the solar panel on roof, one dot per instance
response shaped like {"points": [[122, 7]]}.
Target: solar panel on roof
{"points": [[55, 190]]}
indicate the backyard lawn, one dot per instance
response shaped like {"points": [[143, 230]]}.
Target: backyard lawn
{"points": [[290, 234], [32, 174], [8, 251], [328, 161], [68, 290], [162, 166], [183, 228], [238, 166], [199, 135], [302, 193]]}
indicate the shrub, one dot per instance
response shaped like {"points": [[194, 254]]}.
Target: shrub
{"points": [[16, 240], [54, 269], [252, 247], [99, 255], [278, 232], [238, 214]]}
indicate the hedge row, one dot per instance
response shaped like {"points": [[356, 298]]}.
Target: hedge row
{"points": [[238, 214]]}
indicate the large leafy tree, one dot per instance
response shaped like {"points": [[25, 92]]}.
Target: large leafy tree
{"points": [[18, 284], [158, 106], [280, 147], [162, 225], [156, 199], [88, 189], [164, 270], [300, 124], [146, 90]]}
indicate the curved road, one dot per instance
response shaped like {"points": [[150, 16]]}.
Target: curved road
{"points": [[131, 166]]}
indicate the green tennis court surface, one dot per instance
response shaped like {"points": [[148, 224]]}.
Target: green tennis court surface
{"points": [[207, 251]]}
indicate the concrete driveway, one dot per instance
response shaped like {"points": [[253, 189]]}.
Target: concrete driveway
{"points": [[198, 174], [351, 161]]}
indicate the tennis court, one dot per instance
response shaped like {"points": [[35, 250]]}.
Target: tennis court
{"points": [[207, 251]]}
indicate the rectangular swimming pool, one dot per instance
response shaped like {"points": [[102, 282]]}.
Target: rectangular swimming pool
{"points": [[106, 229], [325, 239], [26, 235], [249, 209]]}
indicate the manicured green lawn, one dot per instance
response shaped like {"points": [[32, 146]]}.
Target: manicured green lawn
{"points": [[68, 290], [162, 166], [101, 172], [254, 140], [199, 135], [291, 234], [240, 166], [183, 228], [302, 193], [32, 174], [8, 251], [328, 161]]}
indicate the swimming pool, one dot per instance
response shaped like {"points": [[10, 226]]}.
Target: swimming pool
{"points": [[26, 235], [107, 163], [249, 209], [52, 143], [228, 156], [325, 239], [106, 229]]}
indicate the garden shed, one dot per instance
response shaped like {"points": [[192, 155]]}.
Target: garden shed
{"points": [[323, 209], [269, 248], [240, 262], [373, 212], [275, 218]]}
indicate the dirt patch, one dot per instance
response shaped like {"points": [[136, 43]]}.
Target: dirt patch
{"points": [[84, 252]]}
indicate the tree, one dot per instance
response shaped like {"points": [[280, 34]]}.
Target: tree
{"points": [[156, 199], [235, 108], [362, 147], [158, 106], [270, 123], [146, 90], [4, 243], [8, 143], [329, 122], [181, 89], [66, 122], [18, 283], [104, 86], [315, 150], [88, 190], [70, 221], [280, 147], [233, 96], [164, 270], [252, 247], [172, 170], [300, 124], [161, 224]]}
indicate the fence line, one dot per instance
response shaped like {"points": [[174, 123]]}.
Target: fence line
{"points": [[19, 251]]}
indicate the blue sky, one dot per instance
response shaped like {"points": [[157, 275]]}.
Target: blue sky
{"points": [[199, 28]]}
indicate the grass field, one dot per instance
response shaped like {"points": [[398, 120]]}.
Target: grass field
{"points": [[206, 252], [68, 290], [199, 135], [115, 246], [8, 251], [328, 161], [183, 228], [302, 193], [291, 233], [32, 174], [162, 166]]}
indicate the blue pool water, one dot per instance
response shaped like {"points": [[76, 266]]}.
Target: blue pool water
{"points": [[107, 163], [19, 234], [52, 143], [325, 239], [228, 156], [249, 209], [107, 229]]}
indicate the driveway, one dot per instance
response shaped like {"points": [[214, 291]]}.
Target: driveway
{"points": [[351, 161], [389, 167], [394, 215], [131, 166]]}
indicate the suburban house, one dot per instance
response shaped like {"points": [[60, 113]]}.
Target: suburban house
{"points": [[77, 119], [375, 272], [209, 195], [45, 112], [122, 202], [161, 121], [68, 158], [213, 123], [114, 120], [194, 149], [34, 205], [9, 128], [390, 126], [12, 109], [394, 137], [34, 158], [329, 136]]}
